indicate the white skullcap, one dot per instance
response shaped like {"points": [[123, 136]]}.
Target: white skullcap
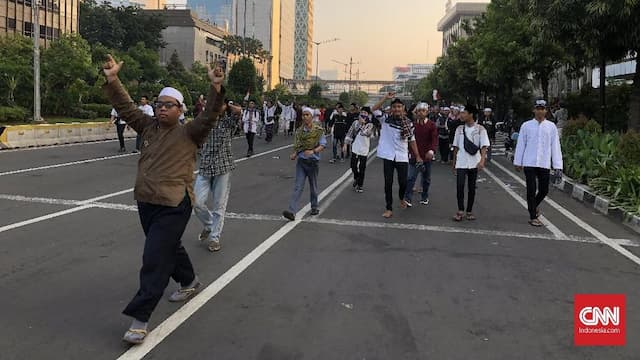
{"points": [[171, 92], [446, 108], [488, 110], [307, 109], [422, 106]]}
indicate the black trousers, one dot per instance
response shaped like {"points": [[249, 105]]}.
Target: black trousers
{"points": [[250, 137], [164, 256], [537, 179], [120, 129], [138, 141], [358, 167], [462, 175], [403, 170], [443, 146], [269, 129]]}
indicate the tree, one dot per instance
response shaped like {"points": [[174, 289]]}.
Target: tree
{"points": [[354, 96], [243, 78], [66, 72], [315, 91], [16, 74], [249, 47], [120, 27]]}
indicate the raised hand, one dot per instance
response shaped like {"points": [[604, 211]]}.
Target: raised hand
{"points": [[111, 68], [216, 75], [390, 95]]}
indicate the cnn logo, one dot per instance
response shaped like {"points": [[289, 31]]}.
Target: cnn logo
{"points": [[593, 316], [599, 320]]}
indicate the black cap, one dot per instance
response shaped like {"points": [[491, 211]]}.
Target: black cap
{"points": [[367, 109], [397, 101]]}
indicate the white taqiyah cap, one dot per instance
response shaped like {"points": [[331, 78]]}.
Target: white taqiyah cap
{"points": [[422, 106], [307, 109], [488, 110], [171, 92]]}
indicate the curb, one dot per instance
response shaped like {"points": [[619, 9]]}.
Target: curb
{"points": [[585, 195], [25, 136]]}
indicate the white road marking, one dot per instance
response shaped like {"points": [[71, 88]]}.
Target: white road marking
{"points": [[549, 225], [43, 218], [353, 223], [263, 153], [588, 228], [84, 204], [181, 315], [21, 171]]}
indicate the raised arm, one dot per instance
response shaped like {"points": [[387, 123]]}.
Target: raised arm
{"points": [[120, 99], [199, 128], [378, 105]]}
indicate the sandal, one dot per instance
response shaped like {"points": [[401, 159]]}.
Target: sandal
{"points": [[536, 223], [470, 217], [387, 214], [458, 216], [135, 336]]}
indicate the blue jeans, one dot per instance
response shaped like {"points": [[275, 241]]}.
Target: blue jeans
{"points": [[413, 177], [305, 169], [219, 187]]}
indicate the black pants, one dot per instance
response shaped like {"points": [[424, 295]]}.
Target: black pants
{"points": [[250, 137], [292, 127], [462, 175], [443, 146], [358, 167], [120, 129], [542, 186], [403, 170], [269, 129], [138, 141], [164, 256]]}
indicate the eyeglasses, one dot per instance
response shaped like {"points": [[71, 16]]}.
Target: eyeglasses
{"points": [[166, 104]]}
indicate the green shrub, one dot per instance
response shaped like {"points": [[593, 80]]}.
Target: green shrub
{"points": [[622, 186], [12, 114], [629, 148], [580, 123], [103, 110], [80, 113], [589, 155]]}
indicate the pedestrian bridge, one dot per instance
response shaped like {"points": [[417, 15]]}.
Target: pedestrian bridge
{"points": [[333, 88]]}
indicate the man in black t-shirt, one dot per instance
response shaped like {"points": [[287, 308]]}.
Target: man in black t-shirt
{"points": [[339, 124]]}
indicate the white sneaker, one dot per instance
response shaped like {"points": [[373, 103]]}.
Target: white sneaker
{"points": [[424, 202]]}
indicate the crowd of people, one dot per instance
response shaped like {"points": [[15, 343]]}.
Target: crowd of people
{"points": [[410, 139]]}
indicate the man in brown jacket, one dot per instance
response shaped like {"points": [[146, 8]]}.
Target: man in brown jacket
{"points": [[163, 189]]}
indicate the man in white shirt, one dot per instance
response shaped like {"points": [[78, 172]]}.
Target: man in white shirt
{"points": [[537, 150], [470, 145], [120, 126], [269, 119], [147, 110], [288, 117], [250, 121], [396, 136]]}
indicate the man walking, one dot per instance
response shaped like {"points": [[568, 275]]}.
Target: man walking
{"points": [[147, 110], [359, 137], [396, 136], [120, 126], [163, 190], [537, 150], [308, 144], [339, 125], [269, 119], [250, 121], [426, 134], [214, 178], [470, 146], [288, 117]]}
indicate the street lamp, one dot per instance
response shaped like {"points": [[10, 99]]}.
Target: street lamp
{"points": [[318, 43], [35, 6]]}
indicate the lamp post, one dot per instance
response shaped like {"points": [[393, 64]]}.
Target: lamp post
{"points": [[318, 43], [35, 7]]}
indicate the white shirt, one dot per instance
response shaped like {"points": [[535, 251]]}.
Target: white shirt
{"points": [[392, 146], [478, 135], [316, 115], [538, 145], [362, 142], [115, 114], [288, 113], [250, 119], [146, 109], [269, 113]]}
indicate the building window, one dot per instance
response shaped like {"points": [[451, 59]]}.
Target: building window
{"points": [[11, 23], [28, 29], [43, 31]]}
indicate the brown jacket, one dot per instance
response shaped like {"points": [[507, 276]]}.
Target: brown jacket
{"points": [[167, 155]]}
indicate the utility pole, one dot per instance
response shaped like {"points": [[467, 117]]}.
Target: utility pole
{"points": [[318, 43], [35, 7]]}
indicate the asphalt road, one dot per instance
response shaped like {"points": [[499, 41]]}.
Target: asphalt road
{"points": [[346, 284]]}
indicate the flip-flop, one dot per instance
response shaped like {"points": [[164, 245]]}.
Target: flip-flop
{"points": [[458, 216], [470, 217]]}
